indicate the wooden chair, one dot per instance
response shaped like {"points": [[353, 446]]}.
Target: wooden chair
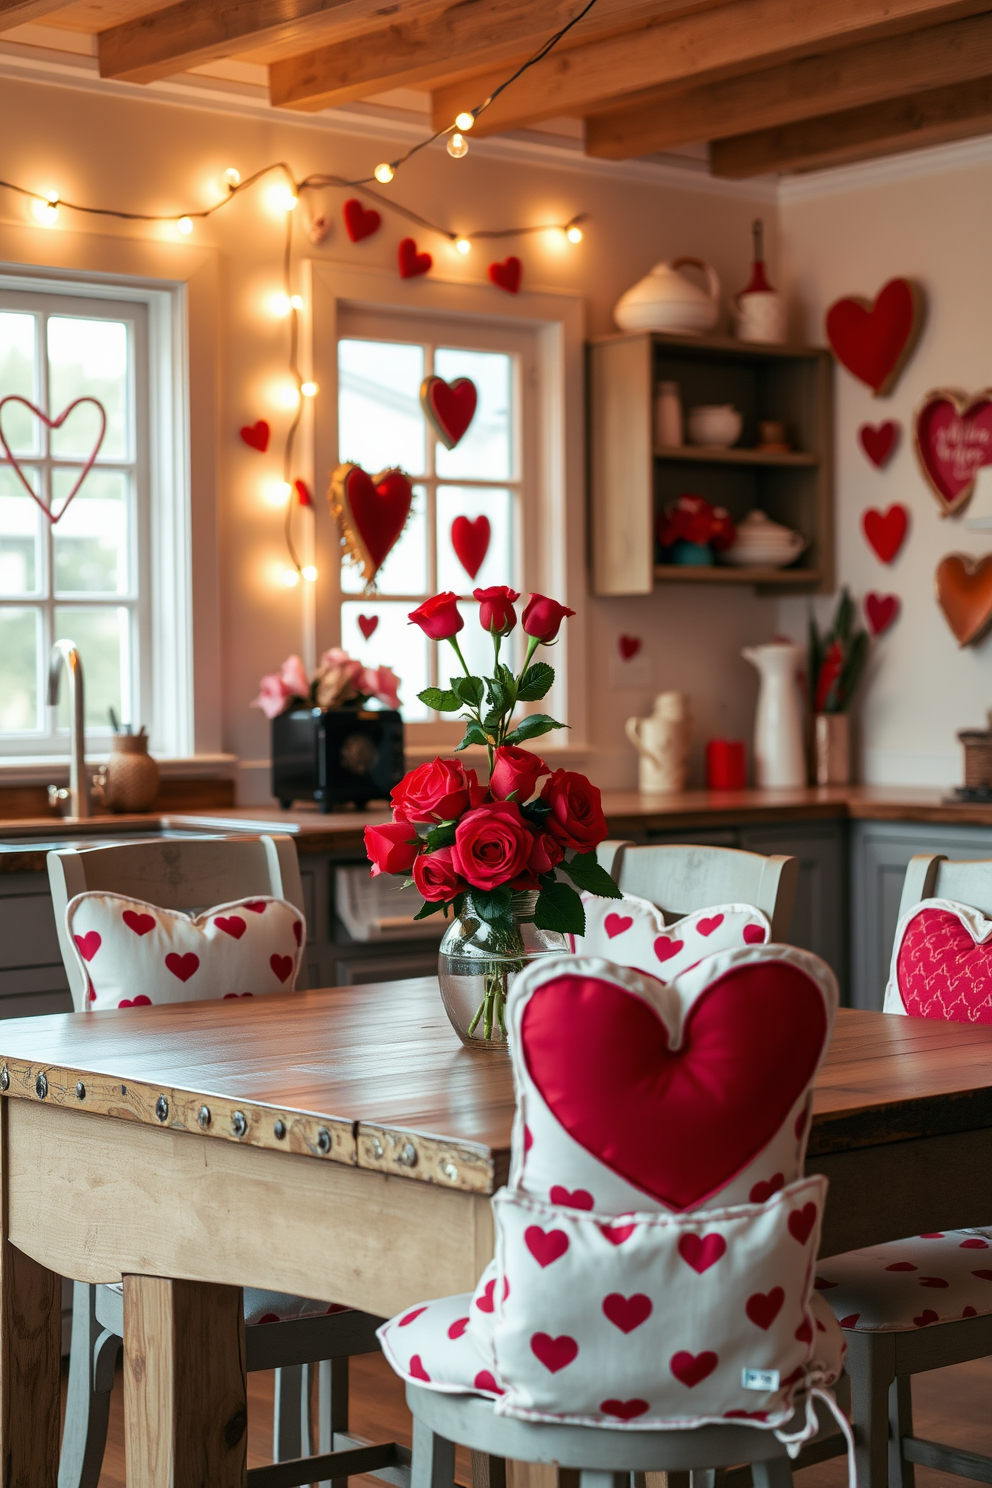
{"points": [[682, 878], [192, 874]]}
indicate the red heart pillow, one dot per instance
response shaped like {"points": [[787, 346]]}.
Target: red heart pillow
{"points": [[942, 964]]}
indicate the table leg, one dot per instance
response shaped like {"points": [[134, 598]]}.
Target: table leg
{"points": [[30, 1348], [185, 1401]]}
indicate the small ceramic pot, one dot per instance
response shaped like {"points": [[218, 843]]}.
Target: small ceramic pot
{"points": [[761, 316], [131, 779], [832, 748], [717, 425]]}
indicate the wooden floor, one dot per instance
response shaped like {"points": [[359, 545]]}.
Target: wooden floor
{"points": [[951, 1405]]}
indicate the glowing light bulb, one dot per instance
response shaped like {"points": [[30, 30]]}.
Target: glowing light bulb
{"points": [[279, 304], [309, 573], [291, 577], [282, 198], [463, 245], [457, 146], [46, 212], [464, 120], [384, 173], [185, 226], [232, 178], [309, 389], [573, 234], [277, 493], [296, 301]]}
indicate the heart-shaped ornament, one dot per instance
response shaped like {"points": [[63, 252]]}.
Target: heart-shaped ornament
{"points": [[964, 593], [470, 540], [318, 228], [371, 512], [879, 441], [360, 222], [881, 611], [507, 275], [953, 439], [256, 435], [873, 340], [943, 965], [368, 625], [885, 531], [53, 423], [628, 646], [412, 263], [449, 407]]}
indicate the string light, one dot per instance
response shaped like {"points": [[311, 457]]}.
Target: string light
{"points": [[296, 301], [309, 389], [291, 577], [309, 573], [280, 304], [384, 173], [185, 226], [464, 121], [457, 146], [463, 245], [46, 212], [232, 178], [573, 233]]}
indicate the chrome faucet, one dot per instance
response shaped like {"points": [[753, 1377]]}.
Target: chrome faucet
{"points": [[67, 653]]}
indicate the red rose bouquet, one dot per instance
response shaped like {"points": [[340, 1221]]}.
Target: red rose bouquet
{"points": [[470, 848]]}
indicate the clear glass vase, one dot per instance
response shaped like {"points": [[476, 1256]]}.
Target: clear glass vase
{"points": [[477, 961]]}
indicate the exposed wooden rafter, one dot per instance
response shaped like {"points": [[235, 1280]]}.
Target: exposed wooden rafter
{"points": [[891, 67], [728, 41], [931, 118], [19, 12], [464, 38]]}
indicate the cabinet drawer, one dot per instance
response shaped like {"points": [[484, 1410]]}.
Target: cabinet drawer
{"points": [[27, 931]]}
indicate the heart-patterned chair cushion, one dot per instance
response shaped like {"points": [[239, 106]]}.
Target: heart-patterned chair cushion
{"points": [[942, 964], [632, 932], [134, 953], [908, 1284]]}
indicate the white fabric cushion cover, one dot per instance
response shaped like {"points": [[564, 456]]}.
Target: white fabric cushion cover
{"points": [[912, 1283], [942, 963], [632, 932], [134, 953]]}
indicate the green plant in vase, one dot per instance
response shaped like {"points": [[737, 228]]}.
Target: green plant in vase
{"points": [[506, 859]]}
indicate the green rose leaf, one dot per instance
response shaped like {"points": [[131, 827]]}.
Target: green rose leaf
{"points": [[536, 682], [501, 698], [468, 690], [560, 908], [430, 907], [586, 871], [474, 734], [532, 727], [443, 702], [493, 905], [443, 835]]}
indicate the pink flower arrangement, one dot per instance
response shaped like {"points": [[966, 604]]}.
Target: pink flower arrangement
{"points": [[339, 681]]}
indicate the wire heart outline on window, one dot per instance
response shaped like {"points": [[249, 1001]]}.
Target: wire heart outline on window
{"points": [[52, 423]]}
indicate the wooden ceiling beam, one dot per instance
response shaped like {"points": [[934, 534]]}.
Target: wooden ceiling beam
{"points": [[935, 117], [192, 32], [832, 82], [19, 12], [462, 39], [724, 42]]}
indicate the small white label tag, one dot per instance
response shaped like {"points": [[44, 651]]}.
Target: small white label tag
{"points": [[765, 1380]]}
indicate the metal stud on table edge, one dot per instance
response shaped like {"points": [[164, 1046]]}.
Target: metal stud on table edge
{"points": [[80, 1090], [323, 1140], [4, 1078], [203, 1117], [41, 1086], [162, 1108], [238, 1124]]}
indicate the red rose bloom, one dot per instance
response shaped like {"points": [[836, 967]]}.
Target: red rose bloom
{"points": [[515, 770], [492, 845], [435, 877], [496, 612], [391, 848], [438, 617], [545, 854], [440, 790], [543, 617], [576, 817]]}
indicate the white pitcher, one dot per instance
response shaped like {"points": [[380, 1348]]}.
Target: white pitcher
{"points": [[779, 754], [662, 742]]}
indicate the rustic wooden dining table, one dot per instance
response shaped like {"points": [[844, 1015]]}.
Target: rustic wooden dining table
{"points": [[341, 1143]]}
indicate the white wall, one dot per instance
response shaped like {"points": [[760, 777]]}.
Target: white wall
{"points": [[927, 218]]}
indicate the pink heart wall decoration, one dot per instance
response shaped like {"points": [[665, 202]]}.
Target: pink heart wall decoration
{"points": [[53, 423], [953, 440]]}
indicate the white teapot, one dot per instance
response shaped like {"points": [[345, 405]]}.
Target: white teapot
{"points": [[666, 300], [662, 741]]}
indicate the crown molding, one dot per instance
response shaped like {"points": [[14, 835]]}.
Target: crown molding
{"points": [[869, 174]]}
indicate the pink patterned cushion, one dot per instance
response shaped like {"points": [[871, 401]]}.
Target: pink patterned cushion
{"points": [[632, 932], [134, 953], [942, 964], [908, 1284]]}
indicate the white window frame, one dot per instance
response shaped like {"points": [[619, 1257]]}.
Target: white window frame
{"points": [[553, 547]]}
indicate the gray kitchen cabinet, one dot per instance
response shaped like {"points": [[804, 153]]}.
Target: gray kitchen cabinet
{"points": [[880, 852], [32, 978]]}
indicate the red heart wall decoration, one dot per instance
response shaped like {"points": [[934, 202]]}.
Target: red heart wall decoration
{"points": [[256, 436], [53, 423], [881, 610], [953, 439], [302, 493], [964, 593], [360, 222], [886, 531], [371, 512], [449, 407], [368, 624], [507, 275], [470, 540], [628, 646], [879, 441], [411, 262], [874, 340]]}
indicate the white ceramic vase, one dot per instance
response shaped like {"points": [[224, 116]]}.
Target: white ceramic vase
{"points": [[779, 754]]}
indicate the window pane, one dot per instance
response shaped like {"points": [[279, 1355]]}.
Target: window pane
{"points": [[103, 638], [88, 357], [394, 643], [497, 566], [91, 541], [485, 451], [405, 568], [380, 422], [20, 639], [17, 375], [20, 533]]}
